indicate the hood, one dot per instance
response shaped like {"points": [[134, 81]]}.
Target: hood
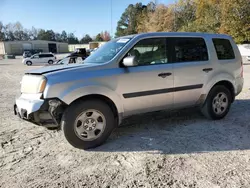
{"points": [[49, 69]]}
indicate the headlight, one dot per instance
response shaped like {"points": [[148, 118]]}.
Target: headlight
{"points": [[33, 84]]}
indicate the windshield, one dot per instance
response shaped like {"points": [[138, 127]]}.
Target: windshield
{"points": [[107, 51]]}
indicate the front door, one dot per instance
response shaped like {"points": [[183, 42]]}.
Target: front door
{"points": [[148, 86], [191, 70], [36, 59]]}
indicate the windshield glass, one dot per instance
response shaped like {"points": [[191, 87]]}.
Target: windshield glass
{"points": [[107, 51]]}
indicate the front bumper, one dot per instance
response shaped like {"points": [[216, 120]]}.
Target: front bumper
{"points": [[25, 107], [39, 111]]}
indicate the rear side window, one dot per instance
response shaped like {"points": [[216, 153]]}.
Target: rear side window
{"points": [[190, 49], [45, 55], [223, 49], [41, 56]]}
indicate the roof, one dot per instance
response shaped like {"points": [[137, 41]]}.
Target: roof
{"points": [[177, 34], [28, 41]]}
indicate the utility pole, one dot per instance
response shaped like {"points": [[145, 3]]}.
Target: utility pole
{"points": [[175, 15], [111, 18]]}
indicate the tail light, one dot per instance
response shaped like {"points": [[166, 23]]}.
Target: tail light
{"points": [[241, 74]]}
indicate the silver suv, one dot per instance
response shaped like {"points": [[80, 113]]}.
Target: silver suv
{"points": [[131, 75]]}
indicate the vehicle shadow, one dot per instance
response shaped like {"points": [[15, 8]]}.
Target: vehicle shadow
{"points": [[184, 131]]}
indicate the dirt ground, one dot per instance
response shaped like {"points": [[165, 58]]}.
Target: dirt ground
{"points": [[163, 149]]}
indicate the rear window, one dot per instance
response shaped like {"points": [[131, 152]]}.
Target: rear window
{"points": [[190, 49], [223, 49]]}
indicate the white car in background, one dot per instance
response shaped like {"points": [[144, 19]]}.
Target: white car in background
{"points": [[40, 59], [245, 50]]}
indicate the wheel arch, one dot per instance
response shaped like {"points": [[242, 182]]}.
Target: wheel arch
{"points": [[228, 84], [103, 98], [102, 93]]}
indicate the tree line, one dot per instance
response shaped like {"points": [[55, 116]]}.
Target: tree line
{"points": [[214, 16], [15, 31]]}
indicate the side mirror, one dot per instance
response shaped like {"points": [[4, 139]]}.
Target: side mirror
{"points": [[130, 61]]}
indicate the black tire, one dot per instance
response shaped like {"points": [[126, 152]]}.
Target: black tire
{"points": [[29, 63], [74, 110], [50, 62], [207, 108]]}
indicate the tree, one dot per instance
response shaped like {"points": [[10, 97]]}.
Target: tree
{"points": [[9, 32], [33, 33], [42, 35], [144, 17], [98, 37], [46, 35], [185, 14], [51, 35], [162, 19], [235, 16], [128, 22], [58, 37], [86, 39], [204, 21], [72, 39], [64, 36], [105, 36], [2, 36]]}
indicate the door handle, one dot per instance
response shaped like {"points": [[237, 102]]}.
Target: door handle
{"points": [[207, 69], [165, 74]]}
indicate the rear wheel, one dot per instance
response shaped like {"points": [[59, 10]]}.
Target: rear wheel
{"points": [[88, 124], [218, 103], [50, 62], [29, 63]]}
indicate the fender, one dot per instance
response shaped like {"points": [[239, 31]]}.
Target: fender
{"points": [[80, 90], [218, 78]]}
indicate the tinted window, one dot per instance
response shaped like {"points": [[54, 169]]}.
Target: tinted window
{"points": [[223, 49], [150, 51], [45, 55], [190, 49]]}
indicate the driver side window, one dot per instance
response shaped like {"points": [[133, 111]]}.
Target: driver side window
{"points": [[36, 56], [150, 51]]}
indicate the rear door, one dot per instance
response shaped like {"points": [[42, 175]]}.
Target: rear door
{"points": [[192, 69]]}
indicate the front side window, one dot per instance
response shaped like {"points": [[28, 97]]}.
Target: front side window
{"points": [[150, 51], [35, 57], [190, 49], [223, 49]]}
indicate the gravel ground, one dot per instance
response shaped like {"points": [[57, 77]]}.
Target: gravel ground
{"points": [[163, 149]]}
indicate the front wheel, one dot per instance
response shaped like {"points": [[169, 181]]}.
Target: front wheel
{"points": [[218, 103], [29, 63], [88, 124], [50, 62]]}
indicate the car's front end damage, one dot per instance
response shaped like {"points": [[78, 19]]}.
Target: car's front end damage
{"points": [[42, 93], [47, 113], [32, 107]]}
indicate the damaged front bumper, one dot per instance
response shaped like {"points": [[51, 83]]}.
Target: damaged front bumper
{"points": [[47, 113]]}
